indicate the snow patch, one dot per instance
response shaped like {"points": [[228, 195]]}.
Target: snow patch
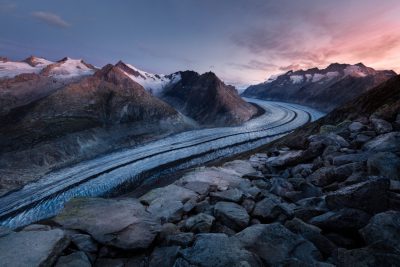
{"points": [[296, 78], [317, 77], [71, 68], [11, 69], [354, 71]]}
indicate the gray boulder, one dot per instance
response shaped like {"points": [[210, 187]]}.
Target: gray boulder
{"points": [[76, 259], [381, 126], [369, 196], [167, 210], [164, 256], [32, 248], [219, 250], [366, 257], [200, 223], [84, 242], [341, 220], [232, 215], [384, 164], [273, 243], [123, 223], [272, 208], [356, 126], [180, 239], [171, 192], [389, 142], [233, 195]]}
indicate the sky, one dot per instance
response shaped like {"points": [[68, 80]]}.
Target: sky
{"points": [[242, 41]]}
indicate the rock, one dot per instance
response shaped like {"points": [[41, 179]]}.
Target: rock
{"points": [[286, 159], [137, 261], [366, 257], [369, 196], [349, 158], [5, 231], [201, 188], [360, 139], [166, 210], [385, 228], [330, 139], [303, 169], [242, 167], [273, 243], [180, 239], [310, 207], [104, 262], [248, 204], [37, 227], [204, 207], [253, 176], [384, 164], [190, 205], [312, 234], [232, 215], [180, 262], [271, 208], [32, 248], [327, 175], [171, 193], [84, 242], [357, 126], [200, 223], [303, 190], [219, 250], [341, 220], [76, 259], [381, 126], [389, 142], [223, 229], [123, 223], [168, 229], [164, 256], [280, 186], [261, 184], [233, 195]]}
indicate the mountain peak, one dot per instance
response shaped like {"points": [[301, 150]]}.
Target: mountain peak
{"points": [[34, 61]]}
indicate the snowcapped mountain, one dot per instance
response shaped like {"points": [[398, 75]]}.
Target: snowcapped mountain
{"points": [[10, 69], [321, 88], [153, 83], [68, 68]]}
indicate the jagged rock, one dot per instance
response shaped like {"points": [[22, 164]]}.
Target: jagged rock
{"points": [[253, 176], [76, 259], [357, 126], [166, 210], [248, 204], [286, 159], [385, 228], [164, 256], [389, 142], [261, 184], [273, 243], [381, 126], [330, 139], [137, 261], [204, 207], [37, 227], [84, 242], [327, 175], [272, 208], [303, 190], [349, 158], [370, 196], [312, 234], [105, 262], [201, 188], [223, 229], [180, 262], [280, 186], [190, 205], [341, 220], [242, 167], [384, 164], [200, 223], [180, 239], [123, 223], [219, 250], [233, 195], [310, 207], [303, 169], [32, 248], [171, 192], [366, 257], [232, 215]]}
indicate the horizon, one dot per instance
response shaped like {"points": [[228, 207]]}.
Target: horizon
{"points": [[266, 38]]}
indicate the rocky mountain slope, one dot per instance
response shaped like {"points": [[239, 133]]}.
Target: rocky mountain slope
{"points": [[324, 89], [207, 99], [333, 202]]}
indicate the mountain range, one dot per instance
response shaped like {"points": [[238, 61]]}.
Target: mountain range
{"points": [[323, 89]]}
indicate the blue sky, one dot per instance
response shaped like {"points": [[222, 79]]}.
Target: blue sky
{"points": [[242, 41]]}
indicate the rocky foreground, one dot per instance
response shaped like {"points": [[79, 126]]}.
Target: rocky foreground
{"points": [[334, 203]]}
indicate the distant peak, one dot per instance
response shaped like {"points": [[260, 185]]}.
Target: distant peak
{"points": [[360, 64]]}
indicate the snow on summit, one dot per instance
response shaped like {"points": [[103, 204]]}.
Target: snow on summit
{"points": [[10, 69]]}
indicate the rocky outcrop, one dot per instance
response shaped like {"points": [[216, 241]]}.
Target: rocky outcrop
{"points": [[208, 100], [324, 89]]}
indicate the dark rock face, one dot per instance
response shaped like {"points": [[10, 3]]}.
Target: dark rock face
{"points": [[324, 89], [208, 100]]}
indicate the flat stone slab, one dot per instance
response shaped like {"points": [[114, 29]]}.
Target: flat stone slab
{"points": [[32, 248], [122, 223]]}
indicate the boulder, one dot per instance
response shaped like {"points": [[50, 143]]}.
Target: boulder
{"points": [[357, 126], [232, 215], [272, 208], [107, 262], [201, 188], [385, 228], [381, 126], [32, 248], [241, 167], [310, 207], [171, 193], [327, 175], [200, 223], [386, 164], [342, 220], [123, 223], [362, 257], [76, 259], [248, 204], [163, 256], [180, 239], [389, 142], [369, 196], [166, 210], [329, 139], [280, 186], [219, 250], [312, 234], [349, 158], [273, 243], [84, 242], [233, 195]]}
